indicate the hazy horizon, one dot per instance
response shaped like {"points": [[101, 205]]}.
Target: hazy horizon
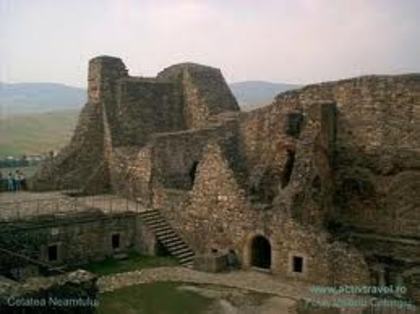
{"points": [[294, 42]]}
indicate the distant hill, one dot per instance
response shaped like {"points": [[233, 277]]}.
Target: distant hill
{"points": [[36, 133], [24, 98], [252, 94], [38, 117]]}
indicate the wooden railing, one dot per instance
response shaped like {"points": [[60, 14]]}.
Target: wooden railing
{"points": [[17, 210]]}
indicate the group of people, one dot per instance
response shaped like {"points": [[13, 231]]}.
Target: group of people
{"points": [[14, 181]]}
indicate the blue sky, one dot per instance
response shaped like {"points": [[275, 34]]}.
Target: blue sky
{"points": [[294, 41]]}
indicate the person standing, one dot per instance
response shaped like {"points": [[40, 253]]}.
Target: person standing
{"points": [[232, 260], [10, 183], [17, 181], [22, 181]]}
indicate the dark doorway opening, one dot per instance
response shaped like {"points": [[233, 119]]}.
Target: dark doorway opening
{"points": [[261, 252], [52, 253], [192, 172], [288, 168], [161, 250]]}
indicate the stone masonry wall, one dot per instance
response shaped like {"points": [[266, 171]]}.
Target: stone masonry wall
{"points": [[79, 239], [308, 196], [376, 158], [125, 111], [217, 215], [316, 124], [145, 107], [295, 168], [205, 92], [337, 154], [375, 155], [82, 162], [131, 172], [176, 155]]}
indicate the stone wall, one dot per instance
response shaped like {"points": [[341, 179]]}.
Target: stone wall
{"points": [[82, 161], [131, 172], [145, 107], [125, 111], [375, 175], [297, 152], [204, 91], [376, 153], [216, 215], [73, 166], [176, 156], [339, 157], [79, 239], [265, 146]]}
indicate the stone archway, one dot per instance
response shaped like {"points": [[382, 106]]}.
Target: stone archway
{"points": [[260, 252]]}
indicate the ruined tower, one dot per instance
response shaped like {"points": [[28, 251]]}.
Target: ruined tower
{"points": [[124, 111]]}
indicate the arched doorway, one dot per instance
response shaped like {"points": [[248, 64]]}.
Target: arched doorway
{"points": [[260, 252]]}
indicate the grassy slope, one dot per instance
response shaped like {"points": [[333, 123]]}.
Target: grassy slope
{"points": [[36, 133], [154, 298]]}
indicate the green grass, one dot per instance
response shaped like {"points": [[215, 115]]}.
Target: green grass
{"points": [[134, 262], [154, 298], [36, 133]]}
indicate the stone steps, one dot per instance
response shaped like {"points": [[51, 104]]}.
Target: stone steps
{"points": [[166, 235]]}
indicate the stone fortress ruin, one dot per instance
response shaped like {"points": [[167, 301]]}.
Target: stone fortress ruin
{"points": [[322, 186]]}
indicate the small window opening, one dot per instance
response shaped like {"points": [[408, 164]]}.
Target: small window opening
{"points": [[297, 264]]}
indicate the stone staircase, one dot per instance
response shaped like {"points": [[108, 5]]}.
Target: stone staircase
{"points": [[168, 237]]}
